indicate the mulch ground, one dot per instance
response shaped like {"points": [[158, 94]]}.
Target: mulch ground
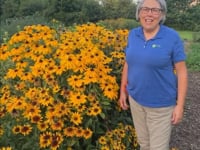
{"points": [[186, 135]]}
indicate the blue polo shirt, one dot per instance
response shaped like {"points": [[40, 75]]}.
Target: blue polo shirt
{"points": [[151, 79]]}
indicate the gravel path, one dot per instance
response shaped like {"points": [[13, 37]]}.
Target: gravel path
{"points": [[186, 135]]}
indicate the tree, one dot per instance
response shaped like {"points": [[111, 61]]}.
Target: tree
{"points": [[70, 11], [113, 8], [93, 10], [194, 17], [176, 12], [9, 8], [30, 7]]}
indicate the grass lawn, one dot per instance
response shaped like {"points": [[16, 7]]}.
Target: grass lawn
{"points": [[186, 35]]}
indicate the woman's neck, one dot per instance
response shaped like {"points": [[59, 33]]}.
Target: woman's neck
{"points": [[149, 34]]}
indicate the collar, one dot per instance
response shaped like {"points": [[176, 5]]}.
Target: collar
{"points": [[139, 32]]}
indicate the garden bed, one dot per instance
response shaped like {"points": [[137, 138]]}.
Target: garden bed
{"points": [[186, 135]]}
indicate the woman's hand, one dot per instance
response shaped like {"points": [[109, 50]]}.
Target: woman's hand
{"points": [[177, 114], [122, 101]]}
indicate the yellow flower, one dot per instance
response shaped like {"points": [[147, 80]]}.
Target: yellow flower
{"points": [[94, 110], [26, 129], [20, 86], [102, 140], [42, 126], [119, 55], [57, 125], [15, 103], [68, 61], [77, 99], [87, 133], [75, 81], [19, 103], [79, 132], [13, 73], [56, 141], [4, 53], [76, 118], [35, 118], [69, 131], [37, 71], [81, 108], [21, 64], [31, 110], [16, 129], [59, 70], [121, 133], [111, 91], [60, 109], [45, 139], [46, 100], [90, 76]]}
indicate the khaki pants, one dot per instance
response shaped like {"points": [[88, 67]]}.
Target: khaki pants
{"points": [[153, 125]]}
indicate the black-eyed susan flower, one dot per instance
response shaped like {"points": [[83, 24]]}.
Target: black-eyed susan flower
{"points": [[42, 125], [56, 140], [69, 61], [31, 110], [45, 139], [75, 81], [4, 53], [13, 73], [87, 133], [78, 98], [26, 129], [36, 118], [79, 132], [102, 140], [76, 118], [16, 129], [20, 86], [69, 131], [111, 91], [57, 125], [94, 110]]}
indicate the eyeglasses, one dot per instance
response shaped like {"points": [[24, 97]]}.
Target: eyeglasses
{"points": [[154, 11]]}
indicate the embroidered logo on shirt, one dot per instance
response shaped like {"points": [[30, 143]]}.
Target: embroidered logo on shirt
{"points": [[155, 46]]}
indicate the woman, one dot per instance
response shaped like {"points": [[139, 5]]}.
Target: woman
{"points": [[156, 93]]}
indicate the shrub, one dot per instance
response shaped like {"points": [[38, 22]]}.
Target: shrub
{"points": [[59, 90], [193, 57], [120, 23]]}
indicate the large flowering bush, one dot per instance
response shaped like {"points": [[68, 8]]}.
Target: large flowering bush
{"points": [[59, 90]]}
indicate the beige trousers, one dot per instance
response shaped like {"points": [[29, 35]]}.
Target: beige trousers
{"points": [[153, 125]]}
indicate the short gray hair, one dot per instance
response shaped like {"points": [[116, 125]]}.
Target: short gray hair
{"points": [[163, 6]]}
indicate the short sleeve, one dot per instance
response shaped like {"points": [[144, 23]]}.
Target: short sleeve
{"points": [[178, 53]]}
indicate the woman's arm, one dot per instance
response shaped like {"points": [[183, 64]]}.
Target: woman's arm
{"points": [[123, 91], [182, 76]]}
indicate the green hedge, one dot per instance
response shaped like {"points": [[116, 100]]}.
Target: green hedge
{"points": [[120, 23]]}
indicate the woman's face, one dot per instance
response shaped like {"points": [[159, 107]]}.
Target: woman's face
{"points": [[150, 15]]}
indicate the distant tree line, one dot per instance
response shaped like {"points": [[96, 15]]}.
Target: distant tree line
{"points": [[181, 14]]}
